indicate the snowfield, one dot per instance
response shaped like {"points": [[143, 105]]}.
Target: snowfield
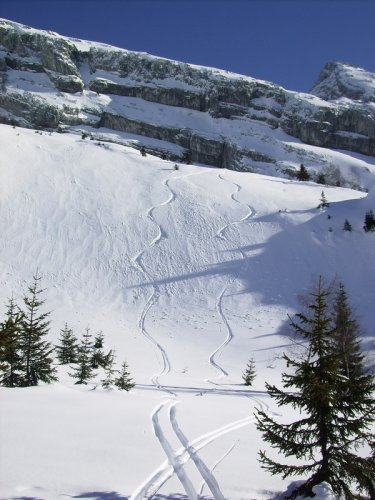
{"points": [[189, 272]]}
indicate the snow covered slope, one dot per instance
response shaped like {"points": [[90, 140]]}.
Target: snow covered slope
{"points": [[189, 273]]}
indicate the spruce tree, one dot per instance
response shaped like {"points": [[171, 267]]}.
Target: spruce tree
{"points": [[336, 419], [124, 381], [303, 174], [67, 350], [110, 372], [37, 353], [250, 373], [347, 225], [99, 357], [369, 225], [323, 201], [10, 355], [346, 336], [84, 371]]}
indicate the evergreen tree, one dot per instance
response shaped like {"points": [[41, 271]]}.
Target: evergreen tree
{"points": [[303, 174], [143, 151], [321, 179], [323, 201], [346, 337], [99, 357], [124, 381], [369, 221], [67, 350], [250, 373], [37, 353], [10, 356], [187, 157], [347, 225], [110, 372], [336, 419], [84, 371]]}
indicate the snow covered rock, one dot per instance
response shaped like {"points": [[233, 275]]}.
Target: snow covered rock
{"points": [[223, 119]]}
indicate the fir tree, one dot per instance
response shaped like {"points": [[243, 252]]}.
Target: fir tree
{"points": [[37, 353], [84, 371], [321, 179], [10, 355], [347, 225], [346, 337], [250, 373], [187, 157], [110, 372], [143, 151], [323, 201], [99, 357], [336, 420], [124, 381], [303, 174], [67, 350], [369, 221]]}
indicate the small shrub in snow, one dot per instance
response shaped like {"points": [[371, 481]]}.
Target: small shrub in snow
{"points": [[347, 225]]}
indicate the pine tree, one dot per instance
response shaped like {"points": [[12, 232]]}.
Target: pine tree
{"points": [[99, 357], [369, 225], [37, 353], [347, 225], [110, 372], [84, 371], [187, 157], [346, 336], [323, 201], [250, 373], [303, 174], [336, 419], [143, 151], [10, 356], [321, 179], [67, 350], [124, 381]]}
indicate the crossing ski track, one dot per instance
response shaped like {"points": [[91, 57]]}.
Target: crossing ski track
{"points": [[219, 301], [165, 471]]}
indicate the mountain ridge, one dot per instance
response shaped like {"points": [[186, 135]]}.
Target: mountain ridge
{"points": [[222, 119]]}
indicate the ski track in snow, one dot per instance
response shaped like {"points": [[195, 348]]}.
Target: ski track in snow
{"points": [[219, 301], [204, 471], [173, 459], [155, 293], [165, 471], [215, 465]]}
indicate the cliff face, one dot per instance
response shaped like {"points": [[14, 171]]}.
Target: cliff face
{"points": [[224, 119]]}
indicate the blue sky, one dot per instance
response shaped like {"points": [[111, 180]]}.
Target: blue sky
{"points": [[283, 41]]}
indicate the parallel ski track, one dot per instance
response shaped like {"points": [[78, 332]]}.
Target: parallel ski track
{"points": [[219, 301], [203, 470], [155, 292]]}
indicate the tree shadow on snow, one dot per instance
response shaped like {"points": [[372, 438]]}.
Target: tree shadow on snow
{"points": [[179, 496], [101, 495]]}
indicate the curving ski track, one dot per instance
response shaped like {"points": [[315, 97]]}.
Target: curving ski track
{"points": [[219, 301], [155, 293]]}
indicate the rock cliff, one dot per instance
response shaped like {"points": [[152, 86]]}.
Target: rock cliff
{"points": [[223, 119]]}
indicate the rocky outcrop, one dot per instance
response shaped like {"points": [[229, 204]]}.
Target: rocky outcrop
{"points": [[224, 119]]}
